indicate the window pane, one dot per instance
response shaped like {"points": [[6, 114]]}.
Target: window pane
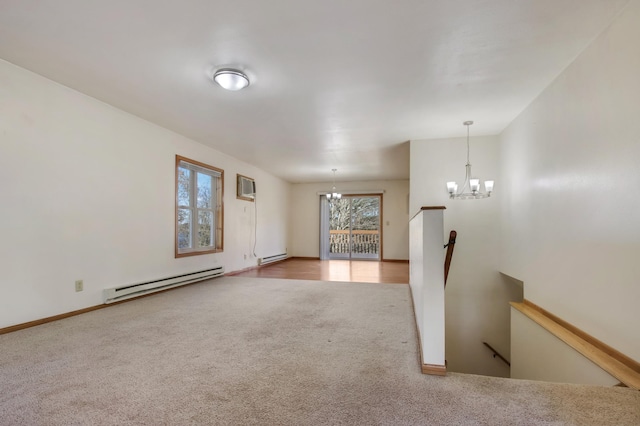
{"points": [[204, 191], [339, 225], [205, 227], [340, 214], [199, 208], [184, 183], [184, 228], [365, 212]]}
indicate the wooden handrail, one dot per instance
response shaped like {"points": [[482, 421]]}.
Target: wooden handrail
{"points": [[620, 366], [447, 260]]}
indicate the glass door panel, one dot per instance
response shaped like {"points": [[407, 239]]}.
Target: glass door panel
{"points": [[339, 228], [354, 227], [365, 227]]}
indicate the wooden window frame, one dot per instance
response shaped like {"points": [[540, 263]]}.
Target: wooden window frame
{"points": [[218, 236]]}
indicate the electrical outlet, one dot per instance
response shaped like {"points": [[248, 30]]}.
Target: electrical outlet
{"points": [[79, 285], [245, 257]]}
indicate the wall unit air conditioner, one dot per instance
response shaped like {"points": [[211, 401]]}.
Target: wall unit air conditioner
{"points": [[246, 188]]}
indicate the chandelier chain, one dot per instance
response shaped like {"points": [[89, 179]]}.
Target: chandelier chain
{"points": [[334, 194]]}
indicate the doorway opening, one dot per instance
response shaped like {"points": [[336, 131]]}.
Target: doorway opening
{"points": [[350, 227]]}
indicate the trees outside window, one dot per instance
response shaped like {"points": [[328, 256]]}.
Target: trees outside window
{"points": [[354, 213], [199, 214]]}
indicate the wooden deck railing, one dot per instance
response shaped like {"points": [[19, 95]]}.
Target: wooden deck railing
{"points": [[356, 241]]}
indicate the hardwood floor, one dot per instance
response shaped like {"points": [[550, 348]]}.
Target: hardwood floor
{"points": [[334, 270]]}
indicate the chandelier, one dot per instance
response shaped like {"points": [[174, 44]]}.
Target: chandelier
{"points": [[333, 194], [471, 187]]}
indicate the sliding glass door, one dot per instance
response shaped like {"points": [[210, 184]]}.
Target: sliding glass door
{"points": [[352, 227]]}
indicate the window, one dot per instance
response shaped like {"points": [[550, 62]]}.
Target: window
{"points": [[199, 216]]}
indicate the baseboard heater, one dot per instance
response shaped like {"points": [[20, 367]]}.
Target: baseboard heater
{"points": [[134, 290], [271, 259]]}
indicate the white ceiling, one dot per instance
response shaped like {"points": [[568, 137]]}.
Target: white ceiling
{"points": [[334, 83]]}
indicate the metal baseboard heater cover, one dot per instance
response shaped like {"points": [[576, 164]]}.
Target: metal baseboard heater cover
{"points": [[271, 259], [134, 290]]}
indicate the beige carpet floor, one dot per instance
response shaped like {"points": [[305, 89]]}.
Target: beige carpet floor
{"points": [[250, 351]]}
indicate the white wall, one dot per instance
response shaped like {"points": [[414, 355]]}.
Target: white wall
{"points": [[305, 216], [570, 203], [427, 284], [537, 354], [88, 192], [477, 295]]}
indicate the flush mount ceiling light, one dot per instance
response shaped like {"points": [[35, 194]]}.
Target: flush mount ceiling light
{"points": [[471, 187], [231, 79]]}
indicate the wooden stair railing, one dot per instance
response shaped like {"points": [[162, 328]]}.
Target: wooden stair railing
{"points": [[447, 260], [617, 364]]}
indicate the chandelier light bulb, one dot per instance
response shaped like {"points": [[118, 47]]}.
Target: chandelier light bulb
{"points": [[475, 185], [488, 186], [452, 187]]}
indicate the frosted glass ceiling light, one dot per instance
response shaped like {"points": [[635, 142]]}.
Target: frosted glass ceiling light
{"points": [[231, 79], [471, 187], [333, 194]]}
